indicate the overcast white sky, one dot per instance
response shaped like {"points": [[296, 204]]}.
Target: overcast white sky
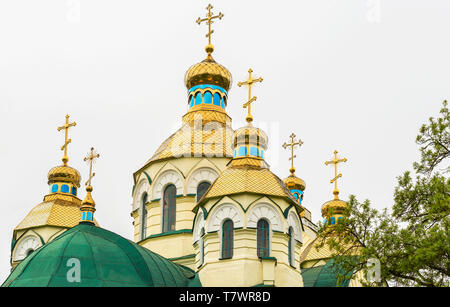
{"points": [[359, 76]]}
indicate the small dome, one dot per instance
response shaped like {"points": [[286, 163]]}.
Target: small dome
{"points": [[105, 260], [64, 173], [250, 135], [208, 72], [293, 182], [337, 206]]}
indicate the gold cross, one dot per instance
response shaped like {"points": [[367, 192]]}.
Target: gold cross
{"points": [[335, 161], [90, 159], [292, 145], [67, 141], [209, 20], [249, 82]]}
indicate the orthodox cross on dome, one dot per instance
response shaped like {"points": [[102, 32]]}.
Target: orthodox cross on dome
{"points": [[335, 161], [67, 141], [292, 145], [90, 158], [209, 20], [249, 82]]}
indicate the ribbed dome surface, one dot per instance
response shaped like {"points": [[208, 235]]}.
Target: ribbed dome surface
{"points": [[64, 173], [208, 71], [106, 259]]}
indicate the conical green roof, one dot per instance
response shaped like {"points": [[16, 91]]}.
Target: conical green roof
{"points": [[105, 259]]}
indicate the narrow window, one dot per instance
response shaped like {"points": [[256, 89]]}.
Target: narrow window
{"points": [[202, 247], [202, 188], [262, 238], [216, 99], [169, 208], [198, 98], [144, 217], [332, 220], [65, 188], [227, 239], [54, 188], [208, 97], [291, 247]]}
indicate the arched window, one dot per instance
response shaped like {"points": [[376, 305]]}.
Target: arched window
{"points": [[144, 217], [169, 208], [54, 188], [216, 99], [65, 188], [291, 247], [332, 220], [227, 239], [198, 98], [202, 188], [208, 97], [262, 238]]}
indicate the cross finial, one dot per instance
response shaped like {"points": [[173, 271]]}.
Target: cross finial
{"points": [[67, 141], [292, 144], [209, 20], [90, 158], [335, 161], [249, 82]]}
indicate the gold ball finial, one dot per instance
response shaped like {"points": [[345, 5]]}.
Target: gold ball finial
{"points": [[209, 48]]}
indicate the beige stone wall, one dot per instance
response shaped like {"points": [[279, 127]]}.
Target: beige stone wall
{"points": [[245, 268], [184, 173]]}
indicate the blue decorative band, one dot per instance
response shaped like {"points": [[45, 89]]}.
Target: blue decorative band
{"points": [[203, 86], [242, 151]]}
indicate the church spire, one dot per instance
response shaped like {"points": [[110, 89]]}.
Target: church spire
{"points": [[209, 21], [249, 82], [295, 185], [63, 179], [88, 205], [250, 142], [292, 145], [67, 141], [333, 211], [335, 161]]}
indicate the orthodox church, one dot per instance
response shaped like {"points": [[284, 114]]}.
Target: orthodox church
{"points": [[206, 209]]}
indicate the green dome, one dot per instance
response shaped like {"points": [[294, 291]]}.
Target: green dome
{"points": [[325, 275], [106, 259]]}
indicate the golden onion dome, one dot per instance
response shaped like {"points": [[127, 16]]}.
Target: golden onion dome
{"points": [[64, 173], [335, 206], [293, 182], [210, 72], [250, 135]]}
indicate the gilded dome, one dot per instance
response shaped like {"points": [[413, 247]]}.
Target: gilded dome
{"points": [[250, 135], [336, 206], [293, 182], [64, 173], [208, 72]]}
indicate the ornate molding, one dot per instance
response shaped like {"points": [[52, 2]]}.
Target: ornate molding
{"points": [[199, 224], [222, 212], [166, 178], [200, 175], [294, 222], [142, 187], [268, 212]]}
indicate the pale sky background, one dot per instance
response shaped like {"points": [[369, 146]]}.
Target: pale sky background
{"points": [[359, 76]]}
